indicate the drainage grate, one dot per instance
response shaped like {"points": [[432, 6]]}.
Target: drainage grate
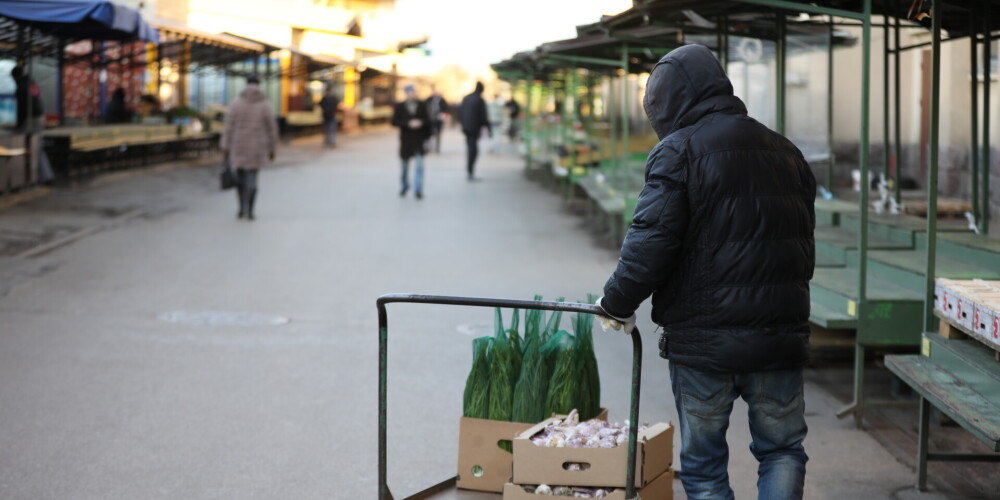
{"points": [[222, 318]]}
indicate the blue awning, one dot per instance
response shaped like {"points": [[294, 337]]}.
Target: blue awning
{"points": [[80, 19]]}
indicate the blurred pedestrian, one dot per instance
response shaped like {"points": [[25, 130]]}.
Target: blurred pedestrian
{"points": [[414, 129], [437, 109], [27, 94], [329, 104], [495, 111], [722, 239], [117, 111], [514, 116], [474, 118], [249, 141]]}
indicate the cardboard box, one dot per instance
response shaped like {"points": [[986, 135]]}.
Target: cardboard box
{"points": [[603, 466], [941, 295], [482, 464], [661, 488], [983, 322]]}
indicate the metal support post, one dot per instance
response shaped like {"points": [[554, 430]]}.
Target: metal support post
{"points": [[829, 111], [984, 221], [974, 110], [780, 45], [885, 99], [922, 439], [60, 69], [612, 125], [898, 121], [930, 321], [866, 43], [530, 83], [626, 152]]}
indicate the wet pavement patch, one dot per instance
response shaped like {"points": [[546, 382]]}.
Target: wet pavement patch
{"points": [[222, 318]]}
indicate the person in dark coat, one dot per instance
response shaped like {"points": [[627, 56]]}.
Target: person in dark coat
{"points": [[514, 114], [329, 104], [437, 109], [25, 89], [474, 118], [117, 111], [722, 238], [414, 129]]}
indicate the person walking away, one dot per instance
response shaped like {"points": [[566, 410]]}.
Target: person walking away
{"points": [[473, 118], [722, 238], [514, 116], [437, 109], [329, 104], [414, 129], [25, 89], [495, 112], [117, 110], [249, 141]]}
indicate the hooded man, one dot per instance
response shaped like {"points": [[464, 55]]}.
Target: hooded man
{"points": [[474, 118], [249, 140], [722, 238]]}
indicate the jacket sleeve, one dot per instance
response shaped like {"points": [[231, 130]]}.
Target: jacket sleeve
{"points": [[653, 242], [397, 116]]}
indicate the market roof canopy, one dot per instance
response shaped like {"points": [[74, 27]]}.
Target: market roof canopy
{"points": [[694, 14], [80, 19]]}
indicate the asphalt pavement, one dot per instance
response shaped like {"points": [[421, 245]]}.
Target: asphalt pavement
{"points": [[153, 346]]}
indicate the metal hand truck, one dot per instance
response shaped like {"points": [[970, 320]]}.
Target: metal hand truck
{"points": [[446, 489]]}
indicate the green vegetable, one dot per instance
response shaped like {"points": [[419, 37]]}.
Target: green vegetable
{"points": [[502, 378], [475, 403], [589, 383], [562, 393]]}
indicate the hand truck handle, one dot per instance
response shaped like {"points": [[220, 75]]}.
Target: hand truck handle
{"points": [[383, 487]]}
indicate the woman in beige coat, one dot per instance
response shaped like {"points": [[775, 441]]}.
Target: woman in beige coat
{"points": [[249, 140]]}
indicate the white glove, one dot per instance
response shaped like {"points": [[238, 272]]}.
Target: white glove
{"points": [[613, 322]]}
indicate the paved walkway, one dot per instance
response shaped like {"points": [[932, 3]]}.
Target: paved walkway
{"points": [[154, 346]]}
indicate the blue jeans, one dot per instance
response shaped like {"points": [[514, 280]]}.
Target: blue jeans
{"points": [[418, 176], [330, 126], [777, 425]]}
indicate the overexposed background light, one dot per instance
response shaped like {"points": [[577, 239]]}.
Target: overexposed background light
{"points": [[474, 34]]}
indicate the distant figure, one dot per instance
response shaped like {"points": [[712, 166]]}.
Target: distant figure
{"points": [[414, 129], [514, 115], [495, 111], [27, 88], [249, 141], [437, 108], [329, 105], [117, 111], [473, 118], [148, 106]]}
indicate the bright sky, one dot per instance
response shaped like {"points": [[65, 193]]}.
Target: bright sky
{"points": [[475, 33]]}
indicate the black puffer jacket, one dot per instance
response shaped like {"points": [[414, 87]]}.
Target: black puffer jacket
{"points": [[723, 231]]}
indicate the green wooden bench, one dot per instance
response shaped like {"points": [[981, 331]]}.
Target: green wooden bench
{"points": [[961, 378]]}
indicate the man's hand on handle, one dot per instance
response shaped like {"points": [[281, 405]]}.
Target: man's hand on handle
{"points": [[613, 322]]}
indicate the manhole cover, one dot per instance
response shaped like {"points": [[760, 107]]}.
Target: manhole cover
{"points": [[222, 318], [475, 329]]}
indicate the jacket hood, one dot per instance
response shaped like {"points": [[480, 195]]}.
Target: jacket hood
{"points": [[685, 85], [252, 93]]}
